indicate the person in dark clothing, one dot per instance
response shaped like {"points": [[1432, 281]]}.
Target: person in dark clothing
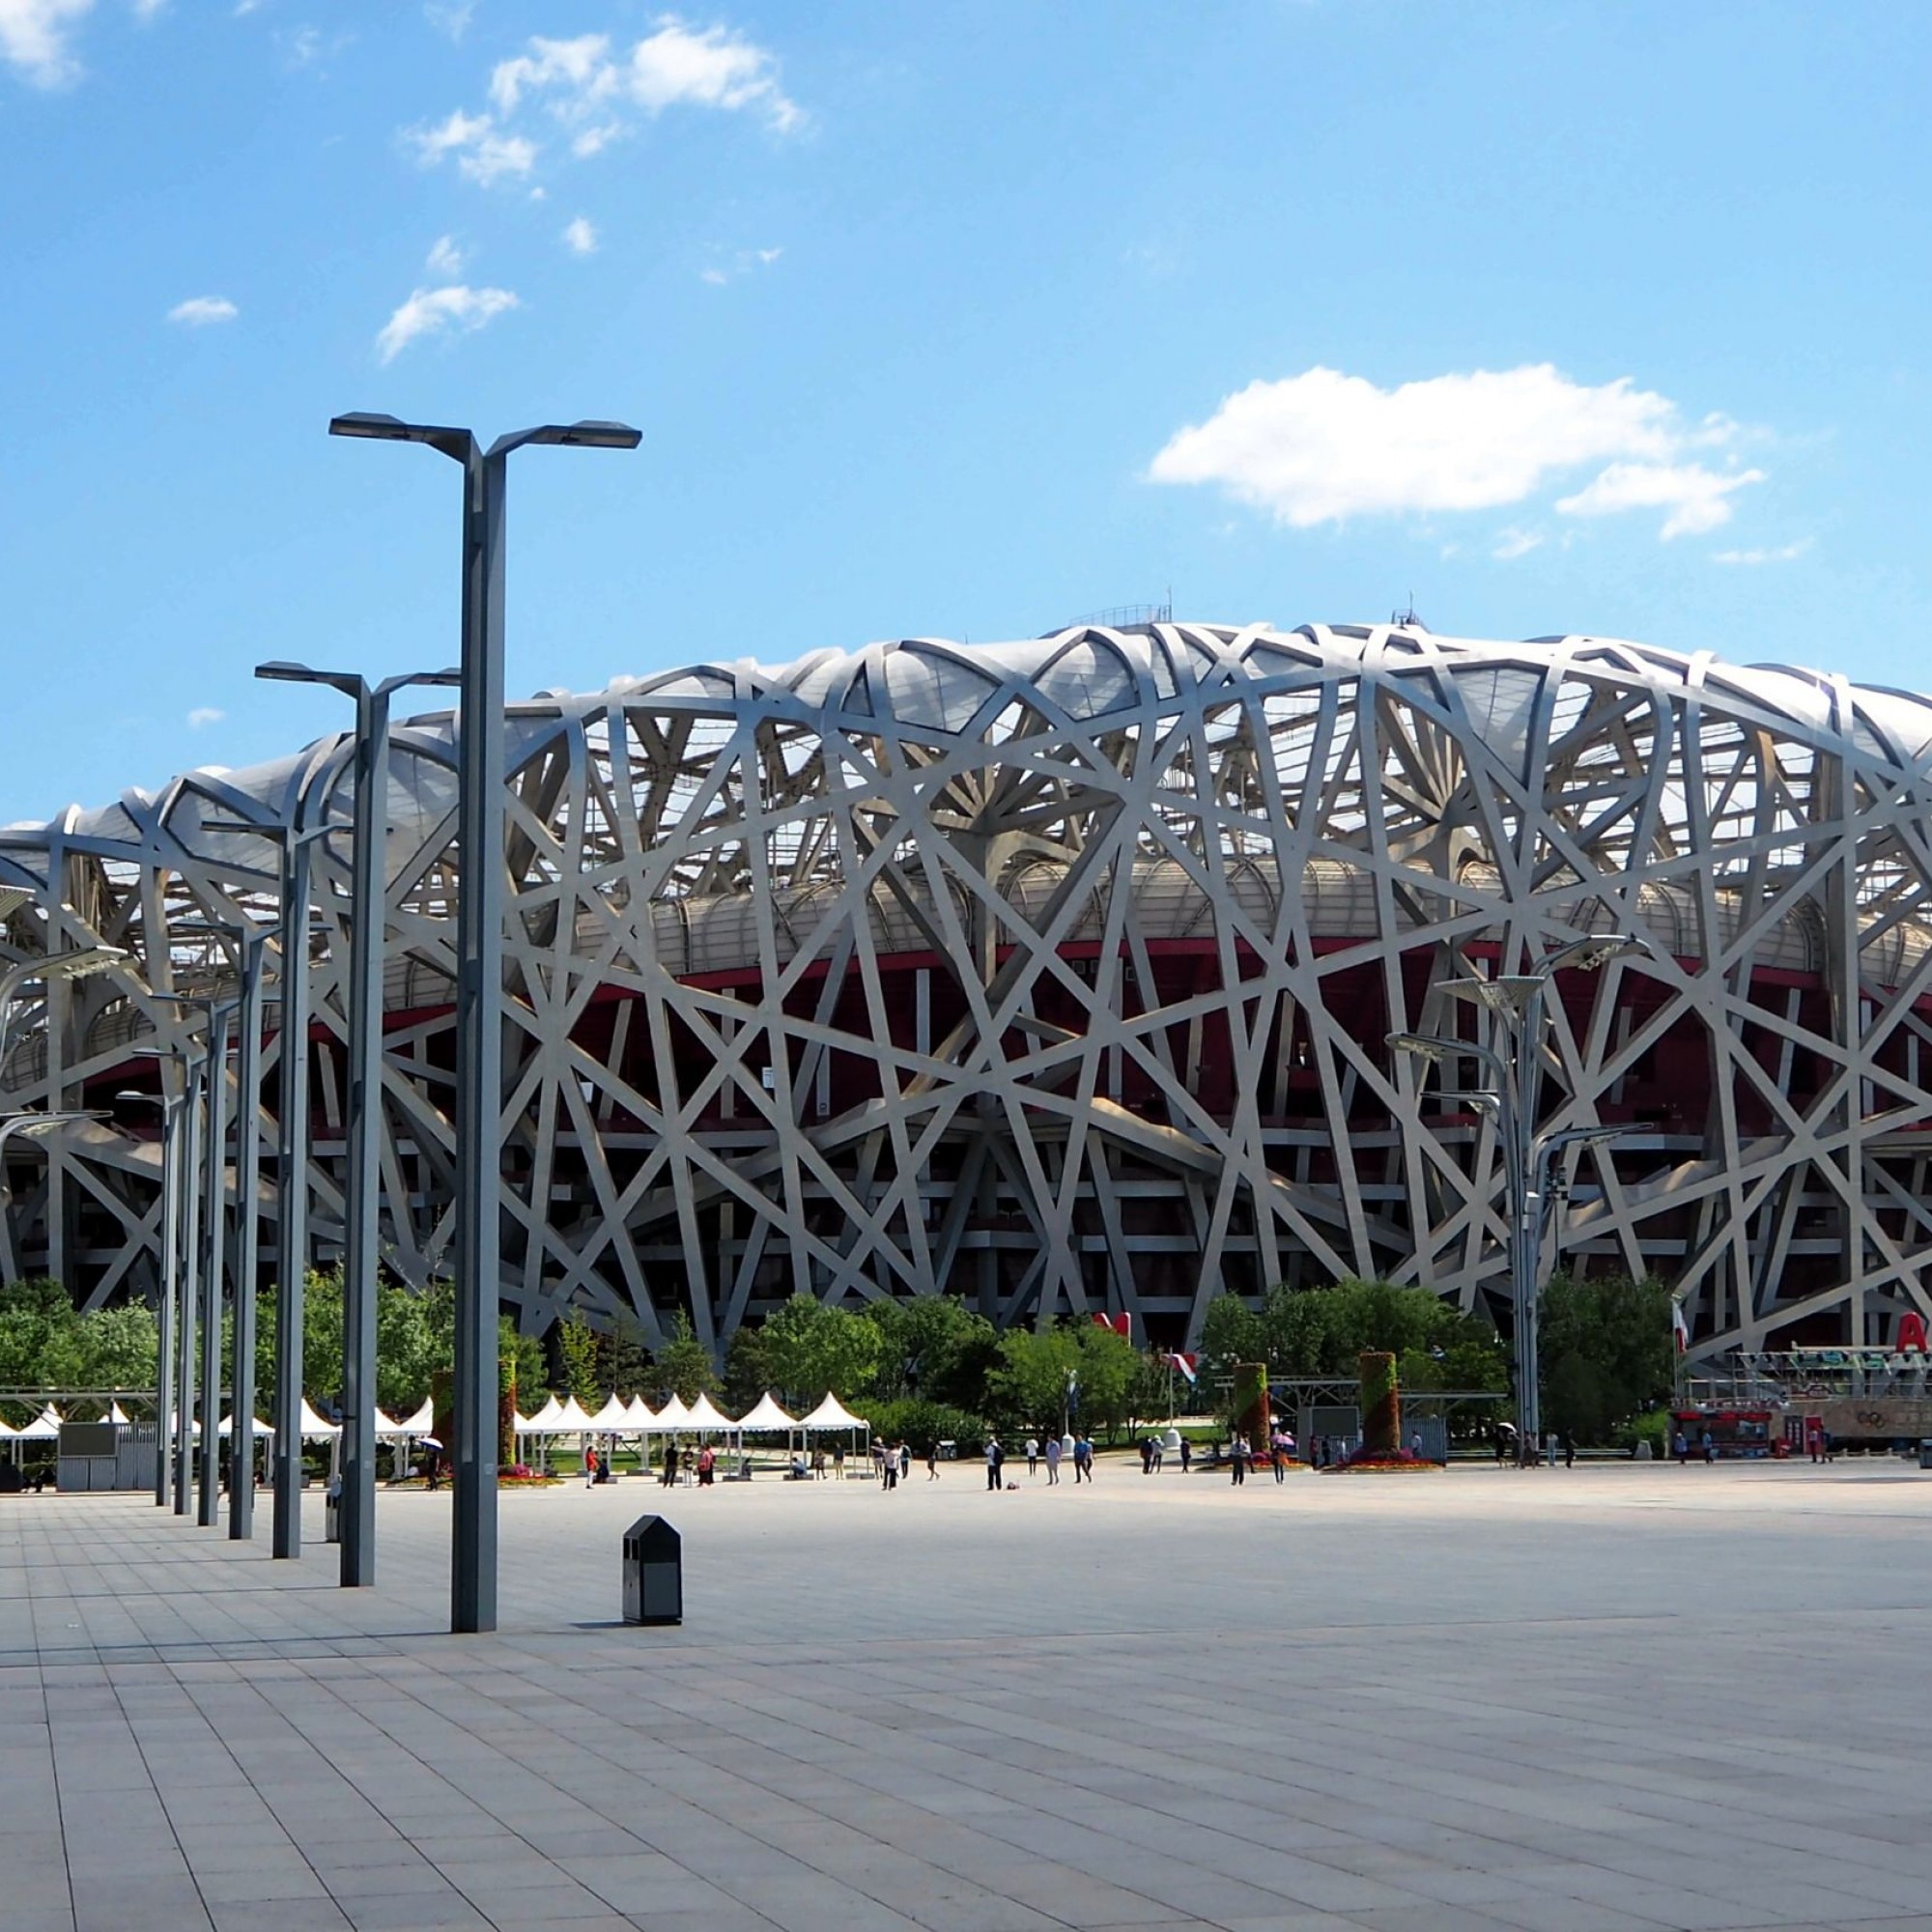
{"points": [[1186, 1455], [996, 1457], [1238, 1452], [1569, 1450], [669, 1480]]}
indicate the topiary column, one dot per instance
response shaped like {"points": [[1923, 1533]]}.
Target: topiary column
{"points": [[1381, 1405]]}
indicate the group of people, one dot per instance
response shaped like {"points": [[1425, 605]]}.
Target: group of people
{"points": [[1053, 1452], [1153, 1454], [706, 1466], [891, 1462]]}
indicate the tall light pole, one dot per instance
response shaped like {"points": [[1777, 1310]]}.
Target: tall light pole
{"points": [[173, 1150], [77, 963], [479, 984], [362, 1201], [248, 1236], [1518, 1002]]}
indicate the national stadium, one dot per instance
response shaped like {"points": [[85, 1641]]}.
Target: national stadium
{"points": [[1057, 975]]}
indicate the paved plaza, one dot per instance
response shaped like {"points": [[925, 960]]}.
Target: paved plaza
{"points": [[1623, 1697]]}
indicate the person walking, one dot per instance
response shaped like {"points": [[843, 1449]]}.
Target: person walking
{"points": [[1680, 1448], [1278, 1455], [1052, 1455], [1033, 1454], [1710, 1446], [1569, 1442], [1083, 1457], [707, 1462], [589, 1466], [838, 1461], [995, 1458], [1146, 1454], [932, 1462], [1238, 1456], [1186, 1455], [905, 1459], [889, 1471]]}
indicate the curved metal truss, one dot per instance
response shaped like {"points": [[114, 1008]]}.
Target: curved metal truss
{"points": [[1059, 973]]}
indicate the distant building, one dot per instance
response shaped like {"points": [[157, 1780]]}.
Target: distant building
{"points": [[1057, 975]]}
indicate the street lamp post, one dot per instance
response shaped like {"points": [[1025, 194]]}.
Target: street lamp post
{"points": [[1518, 1002], [479, 987], [369, 885], [248, 1236], [174, 1141], [77, 964]]}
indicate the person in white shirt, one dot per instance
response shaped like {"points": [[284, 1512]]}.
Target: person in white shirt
{"points": [[1033, 1455]]}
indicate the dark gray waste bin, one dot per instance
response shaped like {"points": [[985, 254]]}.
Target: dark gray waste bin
{"points": [[653, 1573], [1925, 1453]]}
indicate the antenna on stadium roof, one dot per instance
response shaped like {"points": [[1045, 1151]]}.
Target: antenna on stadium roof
{"points": [[1406, 618]]}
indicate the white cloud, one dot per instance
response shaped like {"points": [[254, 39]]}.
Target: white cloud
{"points": [[717, 277], [1698, 498], [146, 9], [431, 311], [198, 311], [451, 18], [482, 152], [445, 259], [743, 263], [1782, 554], [581, 236], [204, 713], [1513, 543], [1324, 446], [584, 81], [33, 38]]}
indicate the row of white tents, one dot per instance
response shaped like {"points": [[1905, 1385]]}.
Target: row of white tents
{"points": [[569, 1417]]}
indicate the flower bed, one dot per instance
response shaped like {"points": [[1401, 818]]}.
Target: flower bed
{"points": [[1383, 1463]]}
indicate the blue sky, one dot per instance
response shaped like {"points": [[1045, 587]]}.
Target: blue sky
{"points": [[957, 320]]}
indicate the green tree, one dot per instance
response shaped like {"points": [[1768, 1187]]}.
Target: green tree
{"points": [[119, 1346], [522, 1368], [624, 1359], [41, 1343], [1232, 1332], [407, 1356], [747, 1370], [1029, 1389], [322, 1335], [1606, 1351], [814, 1349], [683, 1363], [935, 1349], [577, 1347]]}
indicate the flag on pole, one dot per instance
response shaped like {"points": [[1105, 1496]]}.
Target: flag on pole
{"points": [[1184, 1363], [1678, 1327], [1123, 1324]]}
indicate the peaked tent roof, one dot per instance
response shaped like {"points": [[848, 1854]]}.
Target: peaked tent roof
{"points": [[418, 1424], [544, 1422], [831, 1414], [117, 1414], [767, 1415], [705, 1413], [317, 1428], [572, 1415], [638, 1413], [615, 1414], [227, 1426], [45, 1427], [673, 1414]]}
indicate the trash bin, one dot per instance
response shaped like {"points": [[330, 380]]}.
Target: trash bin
{"points": [[1925, 1453], [653, 1573]]}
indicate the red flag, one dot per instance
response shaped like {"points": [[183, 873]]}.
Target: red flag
{"points": [[1184, 1363], [1678, 1327]]}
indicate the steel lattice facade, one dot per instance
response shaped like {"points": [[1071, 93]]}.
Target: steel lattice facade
{"points": [[1057, 973]]}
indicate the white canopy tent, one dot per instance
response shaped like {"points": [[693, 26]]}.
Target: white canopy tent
{"points": [[613, 1418], [45, 1428], [421, 1423], [316, 1428], [673, 1414], [637, 1415], [547, 1421], [571, 1419], [767, 1418], [226, 1427], [831, 1414], [705, 1413], [117, 1415]]}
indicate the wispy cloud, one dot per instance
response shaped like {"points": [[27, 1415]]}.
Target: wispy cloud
{"points": [[483, 152], [1514, 543], [198, 311], [1323, 446], [1782, 554], [204, 713], [445, 259], [584, 81], [437, 311], [451, 16], [745, 261], [34, 38], [580, 237]]}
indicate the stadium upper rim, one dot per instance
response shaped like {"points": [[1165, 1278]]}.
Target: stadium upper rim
{"points": [[1090, 675]]}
